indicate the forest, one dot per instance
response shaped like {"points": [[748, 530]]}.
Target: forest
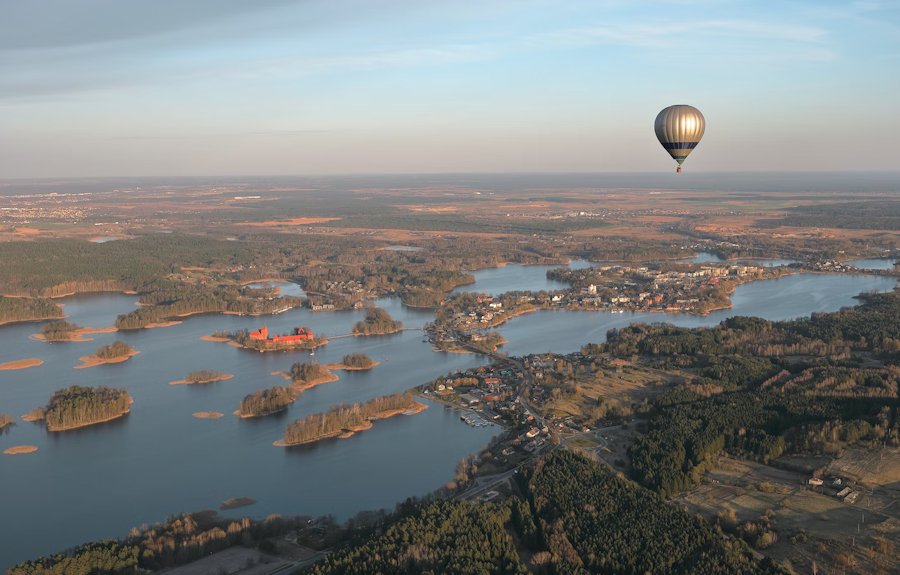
{"points": [[14, 309], [181, 539], [761, 389], [6, 421], [343, 418], [377, 321], [591, 521], [441, 537], [77, 406], [267, 401]]}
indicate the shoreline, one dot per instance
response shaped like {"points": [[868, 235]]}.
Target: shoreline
{"points": [[417, 407], [21, 364], [80, 425], [93, 361]]}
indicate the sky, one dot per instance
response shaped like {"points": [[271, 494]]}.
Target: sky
{"points": [[94, 88]]}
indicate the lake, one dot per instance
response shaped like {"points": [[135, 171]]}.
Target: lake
{"points": [[707, 257], [100, 481], [511, 277]]}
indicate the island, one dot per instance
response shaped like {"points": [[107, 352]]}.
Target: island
{"points": [[116, 352], [20, 449], [78, 406], [236, 502], [266, 402], [202, 377], [6, 421], [262, 340], [208, 414], [21, 364], [62, 331], [305, 375], [345, 420], [355, 362], [377, 322]]}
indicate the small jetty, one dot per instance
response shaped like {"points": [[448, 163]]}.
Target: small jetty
{"points": [[475, 420]]}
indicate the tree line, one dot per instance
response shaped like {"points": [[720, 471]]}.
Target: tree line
{"points": [[341, 418], [14, 309]]}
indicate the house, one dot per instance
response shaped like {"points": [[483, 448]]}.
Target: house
{"points": [[815, 482]]}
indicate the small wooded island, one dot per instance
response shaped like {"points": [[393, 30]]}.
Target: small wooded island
{"points": [[345, 420], [202, 377], [305, 375], [78, 406], [358, 361], [60, 331], [266, 402], [116, 352], [378, 322]]}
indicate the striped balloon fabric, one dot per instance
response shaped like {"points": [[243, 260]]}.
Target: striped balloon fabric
{"points": [[679, 130]]}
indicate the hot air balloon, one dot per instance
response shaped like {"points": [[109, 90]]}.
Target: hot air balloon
{"points": [[679, 129]]}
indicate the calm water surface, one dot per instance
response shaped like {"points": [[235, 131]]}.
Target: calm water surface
{"points": [[100, 481], [874, 264]]}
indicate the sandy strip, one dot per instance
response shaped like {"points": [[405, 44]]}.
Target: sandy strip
{"points": [[162, 324], [208, 414], [20, 450], [92, 360], [220, 377], [214, 338], [21, 364]]}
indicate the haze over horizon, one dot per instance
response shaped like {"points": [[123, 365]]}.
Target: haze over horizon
{"points": [[92, 88]]}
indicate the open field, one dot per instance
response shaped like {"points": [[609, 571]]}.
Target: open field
{"points": [[838, 535]]}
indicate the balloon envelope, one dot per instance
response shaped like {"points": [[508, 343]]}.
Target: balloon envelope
{"points": [[679, 130]]}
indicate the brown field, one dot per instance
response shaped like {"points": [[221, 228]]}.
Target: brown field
{"points": [[840, 535], [290, 222], [624, 385]]}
